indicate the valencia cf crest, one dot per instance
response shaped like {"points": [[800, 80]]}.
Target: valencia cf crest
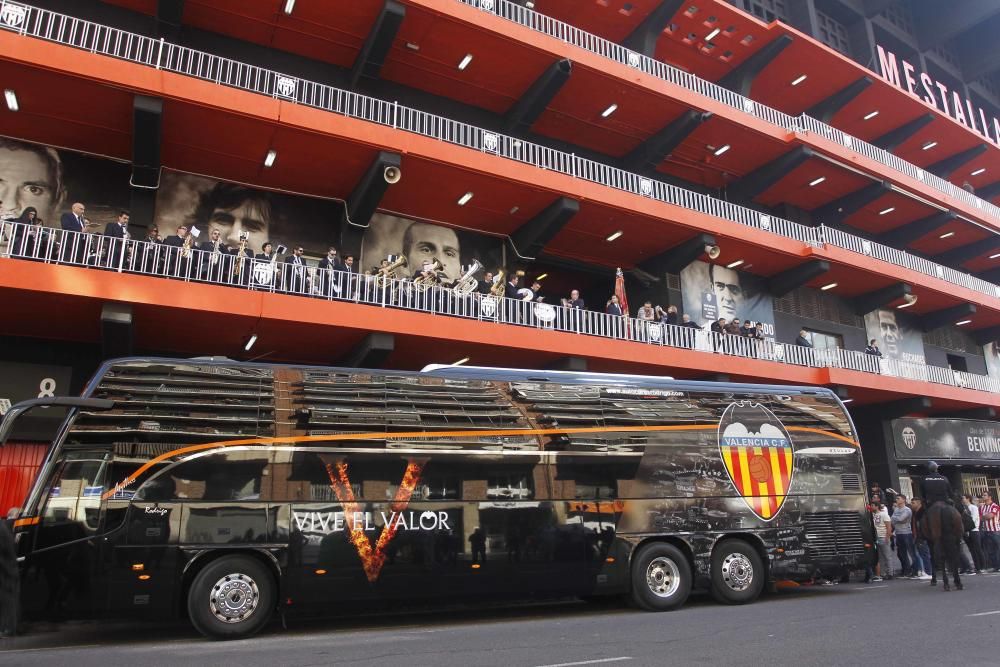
{"points": [[758, 455]]}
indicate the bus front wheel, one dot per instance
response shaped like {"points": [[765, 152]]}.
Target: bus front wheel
{"points": [[737, 572], [231, 598], [661, 577]]}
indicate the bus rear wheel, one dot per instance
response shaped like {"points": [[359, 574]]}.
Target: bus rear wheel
{"points": [[231, 598], [661, 577], [737, 572]]}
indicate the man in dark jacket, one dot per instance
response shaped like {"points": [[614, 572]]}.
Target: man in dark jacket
{"points": [[802, 340]]}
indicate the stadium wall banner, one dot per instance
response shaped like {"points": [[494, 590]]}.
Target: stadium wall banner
{"points": [[946, 439]]}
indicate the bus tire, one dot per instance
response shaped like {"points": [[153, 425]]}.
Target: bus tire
{"points": [[737, 572], [661, 577], [231, 598]]}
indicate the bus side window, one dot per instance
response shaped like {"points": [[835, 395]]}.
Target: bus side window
{"points": [[72, 509]]}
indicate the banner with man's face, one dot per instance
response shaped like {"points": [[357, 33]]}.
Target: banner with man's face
{"points": [[711, 291], [50, 180], [992, 353], [422, 242], [896, 336]]}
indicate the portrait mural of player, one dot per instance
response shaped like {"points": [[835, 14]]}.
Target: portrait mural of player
{"points": [[420, 242], [185, 199], [50, 180], [992, 353], [896, 337], [711, 291]]}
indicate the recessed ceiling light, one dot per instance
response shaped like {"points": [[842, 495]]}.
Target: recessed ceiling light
{"points": [[542, 277], [250, 342], [978, 171], [461, 361], [710, 36], [887, 210], [947, 235], [722, 149], [412, 47], [514, 209], [995, 256], [289, 6], [610, 110], [870, 115], [615, 235], [733, 265], [11, 97], [963, 322], [464, 199], [799, 80], [846, 400], [465, 61], [929, 145], [270, 158], [817, 181], [906, 305], [830, 286]]}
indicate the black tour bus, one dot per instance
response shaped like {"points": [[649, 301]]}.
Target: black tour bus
{"points": [[228, 491]]}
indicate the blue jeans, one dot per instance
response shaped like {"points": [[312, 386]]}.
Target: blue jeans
{"points": [[904, 549], [923, 552], [991, 545]]}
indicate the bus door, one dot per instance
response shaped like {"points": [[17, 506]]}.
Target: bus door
{"points": [[143, 567], [63, 573]]}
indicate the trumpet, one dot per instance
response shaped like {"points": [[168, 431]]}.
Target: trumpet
{"points": [[422, 281], [498, 287], [385, 274], [467, 284]]}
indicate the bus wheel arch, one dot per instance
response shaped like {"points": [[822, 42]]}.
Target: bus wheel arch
{"points": [[206, 558], [739, 568], [661, 573]]}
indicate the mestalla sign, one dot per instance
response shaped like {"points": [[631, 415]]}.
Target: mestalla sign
{"points": [[946, 439], [931, 92]]}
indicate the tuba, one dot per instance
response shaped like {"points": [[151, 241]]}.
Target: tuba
{"points": [[385, 274], [422, 282], [498, 286], [467, 284]]}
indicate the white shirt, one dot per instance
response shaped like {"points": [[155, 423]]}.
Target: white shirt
{"points": [[974, 511], [881, 518]]}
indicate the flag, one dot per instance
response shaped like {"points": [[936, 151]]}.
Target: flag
{"points": [[622, 299]]}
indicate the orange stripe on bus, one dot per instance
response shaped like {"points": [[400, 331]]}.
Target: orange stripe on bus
{"points": [[27, 521], [428, 435]]}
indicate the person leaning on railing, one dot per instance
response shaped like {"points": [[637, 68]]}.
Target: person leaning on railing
{"points": [[29, 240]]}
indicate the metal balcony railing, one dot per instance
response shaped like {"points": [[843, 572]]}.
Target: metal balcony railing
{"points": [[607, 49], [51, 26], [101, 253]]}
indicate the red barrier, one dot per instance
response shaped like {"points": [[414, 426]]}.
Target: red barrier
{"points": [[19, 463]]}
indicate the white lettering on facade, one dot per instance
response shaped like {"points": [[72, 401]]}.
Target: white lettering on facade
{"points": [[961, 109]]}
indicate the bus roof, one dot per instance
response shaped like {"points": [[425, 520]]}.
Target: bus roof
{"points": [[492, 373]]}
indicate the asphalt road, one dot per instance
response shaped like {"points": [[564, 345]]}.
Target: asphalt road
{"points": [[900, 622]]}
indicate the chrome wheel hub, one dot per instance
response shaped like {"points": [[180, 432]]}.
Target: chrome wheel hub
{"points": [[663, 577], [737, 572], [234, 598]]}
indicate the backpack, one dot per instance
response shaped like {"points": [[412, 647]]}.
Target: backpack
{"points": [[968, 525]]}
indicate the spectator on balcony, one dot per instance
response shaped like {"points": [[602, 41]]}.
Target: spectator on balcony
{"points": [[574, 301], [296, 280], [802, 340], [872, 348], [968, 187], [30, 176], [734, 327], [646, 312], [686, 322], [613, 307], [719, 326], [486, 284], [510, 287], [329, 267], [119, 228], [536, 289], [748, 330], [30, 239]]}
